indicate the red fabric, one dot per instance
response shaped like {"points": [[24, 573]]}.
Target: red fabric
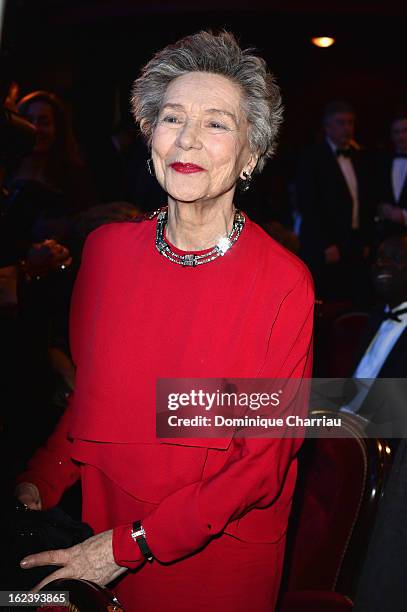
{"points": [[137, 317]]}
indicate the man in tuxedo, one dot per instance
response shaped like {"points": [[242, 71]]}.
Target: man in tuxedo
{"points": [[332, 190], [383, 354], [383, 584], [383, 349], [392, 181]]}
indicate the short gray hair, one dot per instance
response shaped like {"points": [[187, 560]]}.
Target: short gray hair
{"points": [[218, 54]]}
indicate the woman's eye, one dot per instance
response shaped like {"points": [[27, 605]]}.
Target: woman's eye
{"points": [[170, 119], [218, 126]]}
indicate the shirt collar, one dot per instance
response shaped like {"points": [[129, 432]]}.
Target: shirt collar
{"points": [[398, 307], [335, 148], [332, 145]]}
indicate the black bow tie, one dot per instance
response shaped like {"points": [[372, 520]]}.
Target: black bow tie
{"points": [[393, 315], [400, 156], [344, 152]]}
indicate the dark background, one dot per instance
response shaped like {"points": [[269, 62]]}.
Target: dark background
{"points": [[89, 51]]}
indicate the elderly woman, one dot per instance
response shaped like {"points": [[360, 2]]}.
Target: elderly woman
{"points": [[196, 291]]}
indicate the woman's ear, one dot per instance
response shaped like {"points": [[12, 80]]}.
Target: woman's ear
{"points": [[144, 127], [250, 166]]}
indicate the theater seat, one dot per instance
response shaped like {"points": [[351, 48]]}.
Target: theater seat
{"points": [[337, 330], [346, 334], [340, 483]]}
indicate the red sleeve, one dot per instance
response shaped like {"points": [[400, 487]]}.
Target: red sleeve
{"points": [[256, 468], [51, 468]]}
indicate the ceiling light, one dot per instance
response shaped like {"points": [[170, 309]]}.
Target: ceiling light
{"points": [[323, 41]]}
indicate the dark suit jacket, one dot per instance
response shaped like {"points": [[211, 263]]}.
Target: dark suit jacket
{"points": [[325, 202], [383, 174], [383, 584], [387, 400], [384, 194], [395, 365]]}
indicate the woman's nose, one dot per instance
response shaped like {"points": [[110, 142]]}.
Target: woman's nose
{"points": [[188, 136]]}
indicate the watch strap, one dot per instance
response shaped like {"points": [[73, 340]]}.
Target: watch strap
{"points": [[139, 536]]}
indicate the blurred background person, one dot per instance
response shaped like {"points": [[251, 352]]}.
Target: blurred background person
{"points": [[55, 160], [133, 181], [391, 176], [43, 184], [333, 196], [12, 96], [382, 351]]}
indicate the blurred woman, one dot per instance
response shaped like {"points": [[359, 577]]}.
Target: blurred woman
{"points": [[42, 189], [55, 160]]}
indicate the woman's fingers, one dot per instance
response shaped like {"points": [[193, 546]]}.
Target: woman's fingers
{"points": [[113, 576], [90, 560], [48, 557]]}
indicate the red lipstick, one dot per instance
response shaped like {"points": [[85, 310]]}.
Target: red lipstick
{"points": [[186, 168]]}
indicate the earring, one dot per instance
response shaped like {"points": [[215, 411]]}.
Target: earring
{"points": [[244, 184], [150, 167]]}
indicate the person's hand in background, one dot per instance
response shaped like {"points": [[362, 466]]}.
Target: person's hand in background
{"points": [[392, 213], [45, 257], [29, 495], [332, 254]]}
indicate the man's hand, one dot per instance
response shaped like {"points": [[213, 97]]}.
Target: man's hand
{"points": [[332, 254], [392, 213], [90, 560]]}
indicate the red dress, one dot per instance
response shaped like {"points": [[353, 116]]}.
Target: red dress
{"points": [[215, 511]]}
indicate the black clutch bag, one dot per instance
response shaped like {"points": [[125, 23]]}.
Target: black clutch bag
{"points": [[25, 532]]}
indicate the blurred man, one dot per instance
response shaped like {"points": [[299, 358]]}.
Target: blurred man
{"points": [[392, 181], [383, 584], [383, 349], [333, 198]]}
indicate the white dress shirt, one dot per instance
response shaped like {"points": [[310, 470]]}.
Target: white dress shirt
{"points": [[398, 176], [348, 171], [375, 356]]}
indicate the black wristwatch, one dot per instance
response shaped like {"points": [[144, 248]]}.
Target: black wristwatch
{"points": [[139, 536]]}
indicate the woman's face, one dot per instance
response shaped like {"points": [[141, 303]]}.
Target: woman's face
{"points": [[42, 116], [200, 144]]}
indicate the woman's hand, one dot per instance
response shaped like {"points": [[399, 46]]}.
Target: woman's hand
{"points": [[28, 494], [90, 560]]}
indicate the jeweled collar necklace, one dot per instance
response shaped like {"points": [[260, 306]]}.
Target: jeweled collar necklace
{"points": [[191, 259]]}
